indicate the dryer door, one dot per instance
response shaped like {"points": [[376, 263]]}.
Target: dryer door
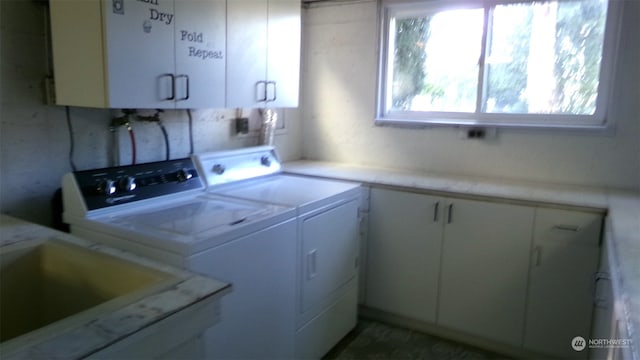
{"points": [[329, 253]]}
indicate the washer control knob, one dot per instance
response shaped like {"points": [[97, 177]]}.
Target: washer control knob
{"points": [[107, 187], [219, 169], [184, 175], [127, 183], [265, 161]]}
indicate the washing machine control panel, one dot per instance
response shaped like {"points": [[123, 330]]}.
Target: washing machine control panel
{"points": [[123, 184]]}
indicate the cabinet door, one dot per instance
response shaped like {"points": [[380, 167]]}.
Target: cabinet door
{"points": [[200, 53], [283, 58], [403, 253], [246, 51], [330, 245], [565, 258], [485, 263], [140, 53]]}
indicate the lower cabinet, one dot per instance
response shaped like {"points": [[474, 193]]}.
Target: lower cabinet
{"points": [[403, 253], [510, 274], [485, 264], [565, 256]]}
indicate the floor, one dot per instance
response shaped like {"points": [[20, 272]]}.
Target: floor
{"points": [[375, 340]]}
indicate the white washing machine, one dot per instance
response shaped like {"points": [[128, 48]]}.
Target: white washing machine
{"points": [[328, 231], [162, 211]]}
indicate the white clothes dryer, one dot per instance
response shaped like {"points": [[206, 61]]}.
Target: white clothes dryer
{"points": [[328, 235]]}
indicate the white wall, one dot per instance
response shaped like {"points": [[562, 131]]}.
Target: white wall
{"points": [[34, 139], [339, 84]]}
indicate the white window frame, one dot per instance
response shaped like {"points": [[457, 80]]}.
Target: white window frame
{"points": [[389, 9]]}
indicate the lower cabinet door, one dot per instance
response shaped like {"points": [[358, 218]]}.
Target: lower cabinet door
{"points": [[485, 264], [564, 261], [403, 253]]}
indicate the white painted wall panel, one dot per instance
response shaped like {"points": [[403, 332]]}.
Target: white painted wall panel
{"points": [[339, 87]]}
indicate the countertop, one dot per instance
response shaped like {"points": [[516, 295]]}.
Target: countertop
{"points": [[622, 209], [78, 339]]}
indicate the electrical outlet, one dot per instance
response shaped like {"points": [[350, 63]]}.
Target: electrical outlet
{"points": [[478, 133], [242, 126]]}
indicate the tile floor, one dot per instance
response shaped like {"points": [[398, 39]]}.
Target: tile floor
{"points": [[375, 340]]}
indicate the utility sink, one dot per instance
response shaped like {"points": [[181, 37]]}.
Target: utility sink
{"points": [[53, 280]]}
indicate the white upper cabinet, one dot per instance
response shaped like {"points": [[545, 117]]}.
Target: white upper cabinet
{"points": [[200, 41], [247, 51], [263, 53], [138, 56], [283, 53], [139, 53]]}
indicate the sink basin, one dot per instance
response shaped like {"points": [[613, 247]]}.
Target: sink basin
{"points": [[44, 283]]}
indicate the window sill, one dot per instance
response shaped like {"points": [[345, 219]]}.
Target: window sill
{"points": [[604, 129]]}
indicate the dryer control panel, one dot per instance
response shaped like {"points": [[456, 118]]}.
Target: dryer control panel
{"points": [[225, 167], [113, 186]]}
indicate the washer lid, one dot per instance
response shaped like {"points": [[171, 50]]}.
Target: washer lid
{"points": [[196, 224], [198, 216]]}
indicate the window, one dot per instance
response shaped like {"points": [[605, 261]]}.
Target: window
{"points": [[497, 62]]}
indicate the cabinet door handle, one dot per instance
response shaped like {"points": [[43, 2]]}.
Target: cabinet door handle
{"points": [[573, 228], [449, 213], [261, 91], [173, 87], [186, 77], [600, 297], [311, 264], [272, 99], [538, 254], [436, 207]]}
